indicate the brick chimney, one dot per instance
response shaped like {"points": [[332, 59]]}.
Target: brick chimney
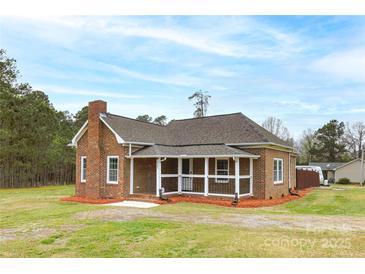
{"points": [[94, 165]]}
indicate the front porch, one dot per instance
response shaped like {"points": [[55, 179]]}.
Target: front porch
{"points": [[207, 176]]}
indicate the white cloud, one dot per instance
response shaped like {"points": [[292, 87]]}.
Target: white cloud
{"points": [[356, 110], [300, 105], [259, 40], [343, 65], [178, 79], [221, 72], [83, 92]]}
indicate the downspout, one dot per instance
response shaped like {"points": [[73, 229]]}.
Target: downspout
{"points": [[293, 193]]}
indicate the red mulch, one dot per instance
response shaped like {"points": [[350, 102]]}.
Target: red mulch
{"points": [[85, 200], [249, 202], [77, 199], [245, 202]]}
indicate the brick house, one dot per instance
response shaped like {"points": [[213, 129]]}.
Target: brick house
{"points": [[219, 155]]}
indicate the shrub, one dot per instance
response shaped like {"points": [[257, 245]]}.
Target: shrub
{"points": [[331, 180], [344, 181]]}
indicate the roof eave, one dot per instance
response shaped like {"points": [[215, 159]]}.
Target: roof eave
{"points": [[259, 144], [194, 156], [346, 164], [78, 135]]}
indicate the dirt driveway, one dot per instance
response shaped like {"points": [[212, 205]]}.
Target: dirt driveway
{"points": [[307, 222]]}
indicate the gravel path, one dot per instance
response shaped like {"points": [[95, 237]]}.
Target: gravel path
{"points": [[307, 222]]}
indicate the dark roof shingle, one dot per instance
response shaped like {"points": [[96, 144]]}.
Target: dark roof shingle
{"points": [[219, 129]]}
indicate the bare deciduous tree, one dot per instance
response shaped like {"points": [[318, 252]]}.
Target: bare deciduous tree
{"points": [[276, 127], [305, 146], [201, 104], [355, 137]]}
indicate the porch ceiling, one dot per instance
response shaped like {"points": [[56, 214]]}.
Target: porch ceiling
{"points": [[193, 151]]}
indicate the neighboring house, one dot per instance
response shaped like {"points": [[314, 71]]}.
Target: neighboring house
{"points": [[350, 170], [336, 171], [219, 155], [328, 169]]}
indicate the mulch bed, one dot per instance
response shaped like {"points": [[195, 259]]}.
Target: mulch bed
{"points": [[85, 200], [243, 203]]}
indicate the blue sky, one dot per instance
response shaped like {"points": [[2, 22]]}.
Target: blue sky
{"points": [[305, 70]]}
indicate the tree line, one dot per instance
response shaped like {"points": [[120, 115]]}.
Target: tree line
{"points": [[335, 141], [33, 134]]}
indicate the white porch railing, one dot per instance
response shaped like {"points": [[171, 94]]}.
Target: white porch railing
{"points": [[187, 184]]}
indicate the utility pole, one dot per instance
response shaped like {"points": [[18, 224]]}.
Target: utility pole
{"points": [[362, 165]]}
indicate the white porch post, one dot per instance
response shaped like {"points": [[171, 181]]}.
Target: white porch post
{"points": [[158, 176], [206, 173], [237, 175], [179, 178], [251, 176], [131, 176]]}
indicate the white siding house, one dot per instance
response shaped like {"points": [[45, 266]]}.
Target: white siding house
{"points": [[350, 170]]}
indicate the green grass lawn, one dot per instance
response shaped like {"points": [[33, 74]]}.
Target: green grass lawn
{"points": [[335, 200], [34, 223]]}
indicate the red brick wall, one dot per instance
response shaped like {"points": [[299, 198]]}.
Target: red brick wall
{"points": [[276, 190], [244, 166], [145, 176], [259, 181], [169, 166], [81, 150], [263, 169], [96, 144], [198, 166], [110, 147], [93, 149]]}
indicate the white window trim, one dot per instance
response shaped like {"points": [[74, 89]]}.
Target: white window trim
{"points": [[107, 170], [82, 169], [282, 171], [223, 176]]}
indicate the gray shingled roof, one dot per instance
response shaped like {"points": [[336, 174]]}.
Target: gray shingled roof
{"points": [[131, 130], [201, 150], [327, 166], [219, 129]]}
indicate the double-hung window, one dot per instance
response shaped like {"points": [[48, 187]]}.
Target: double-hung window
{"points": [[221, 168], [83, 169], [278, 171], [112, 169]]}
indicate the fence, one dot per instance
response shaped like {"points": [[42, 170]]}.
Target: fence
{"points": [[307, 178]]}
